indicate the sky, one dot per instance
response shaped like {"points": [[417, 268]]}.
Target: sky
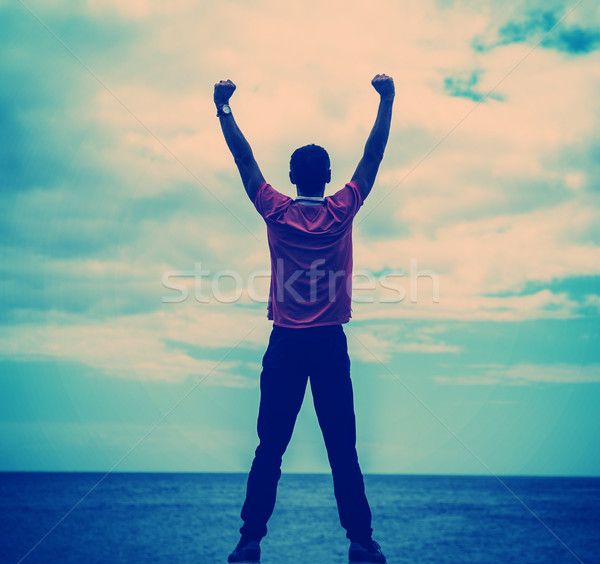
{"points": [[132, 275]]}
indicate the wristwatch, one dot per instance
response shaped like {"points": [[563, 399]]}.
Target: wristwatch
{"points": [[224, 110]]}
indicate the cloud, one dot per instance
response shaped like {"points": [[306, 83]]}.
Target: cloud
{"points": [[483, 267], [593, 300], [373, 342], [464, 86], [544, 27], [525, 374], [147, 346]]}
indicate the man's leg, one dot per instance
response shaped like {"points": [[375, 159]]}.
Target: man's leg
{"points": [[332, 394], [282, 388]]}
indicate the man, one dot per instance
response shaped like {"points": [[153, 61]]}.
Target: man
{"points": [[310, 242]]}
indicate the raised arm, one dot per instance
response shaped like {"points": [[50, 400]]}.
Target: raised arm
{"points": [[251, 175], [367, 168]]}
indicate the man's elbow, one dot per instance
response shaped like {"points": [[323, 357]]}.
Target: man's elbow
{"points": [[243, 159], [374, 155]]}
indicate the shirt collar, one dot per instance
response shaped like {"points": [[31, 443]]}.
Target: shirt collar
{"points": [[310, 199]]}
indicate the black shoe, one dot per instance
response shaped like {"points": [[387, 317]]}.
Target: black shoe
{"points": [[246, 552], [365, 552]]}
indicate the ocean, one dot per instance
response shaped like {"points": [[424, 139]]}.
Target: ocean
{"points": [[194, 518]]}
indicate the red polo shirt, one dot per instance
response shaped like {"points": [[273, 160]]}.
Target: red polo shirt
{"points": [[311, 256]]}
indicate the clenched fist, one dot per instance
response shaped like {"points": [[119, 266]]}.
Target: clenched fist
{"points": [[223, 91], [384, 85]]}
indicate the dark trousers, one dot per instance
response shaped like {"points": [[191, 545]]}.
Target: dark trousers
{"points": [[294, 355]]}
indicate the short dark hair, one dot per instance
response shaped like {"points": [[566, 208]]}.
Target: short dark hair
{"points": [[310, 166]]}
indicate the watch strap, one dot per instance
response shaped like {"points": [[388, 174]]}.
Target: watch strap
{"points": [[222, 112]]}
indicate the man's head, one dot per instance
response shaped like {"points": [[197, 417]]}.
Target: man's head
{"points": [[310, 170]]}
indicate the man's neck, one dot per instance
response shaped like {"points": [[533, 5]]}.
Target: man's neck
{"points": [[310, 193]]}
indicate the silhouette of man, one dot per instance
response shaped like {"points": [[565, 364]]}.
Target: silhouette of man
{"points": [[310, 242]]}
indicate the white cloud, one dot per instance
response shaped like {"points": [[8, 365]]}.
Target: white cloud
{"points": [[592, 300], [140, 9], [148, 346], [484, 264], [525, 374], [372, 342]]}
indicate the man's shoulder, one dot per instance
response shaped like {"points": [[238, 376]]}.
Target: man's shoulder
{"points": [[267, 199], [348, 196]]}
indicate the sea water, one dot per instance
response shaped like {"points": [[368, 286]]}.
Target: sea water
{"points": [[194, 518]]}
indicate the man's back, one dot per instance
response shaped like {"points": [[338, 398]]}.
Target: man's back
{"points": [[311, 256]]}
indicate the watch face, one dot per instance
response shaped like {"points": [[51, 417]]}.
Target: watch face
{"points": [[226, 109]]}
